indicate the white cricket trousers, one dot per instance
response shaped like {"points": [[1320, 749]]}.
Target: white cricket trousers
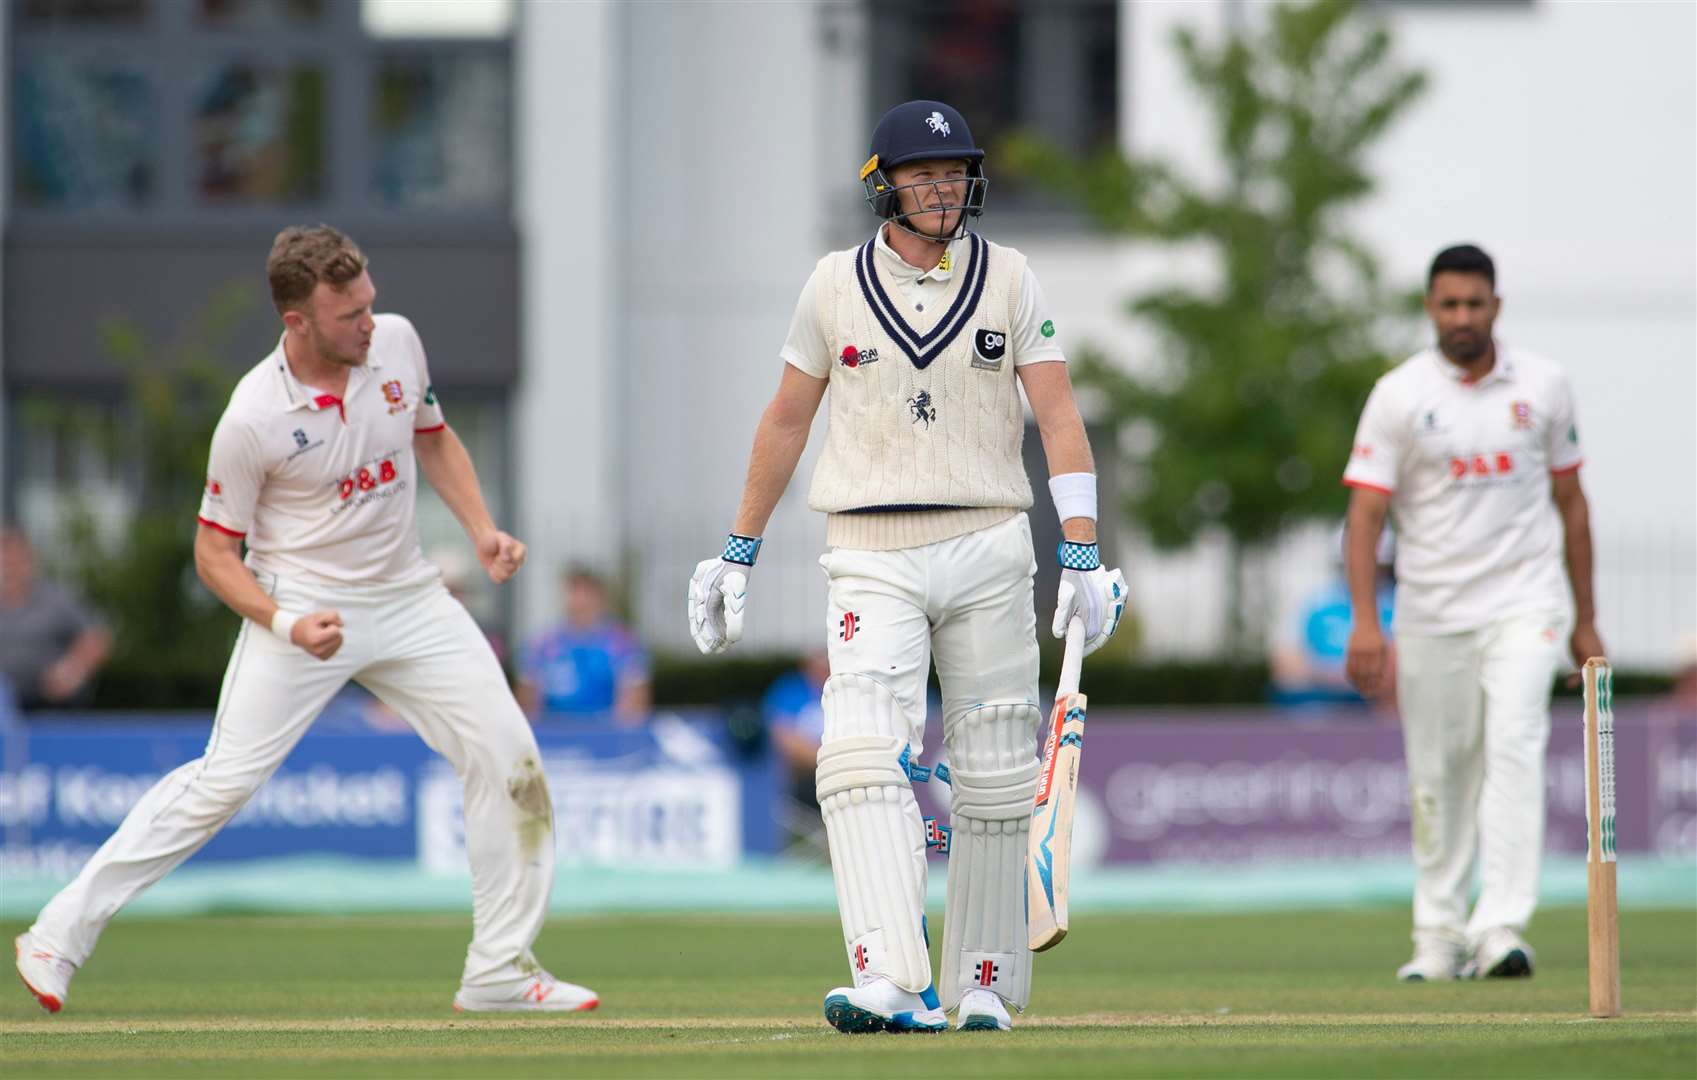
{"points": [[1475, 723], [965, 601], [417, 649]]}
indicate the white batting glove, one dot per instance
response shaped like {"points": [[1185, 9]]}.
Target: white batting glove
{"points": [[1089, 592], [718, 593]]}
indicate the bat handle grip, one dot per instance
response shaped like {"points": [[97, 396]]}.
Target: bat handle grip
{"points": [[1071, 660]]}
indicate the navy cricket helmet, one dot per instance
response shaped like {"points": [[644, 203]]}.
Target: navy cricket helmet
{"points": [[923, 131]]}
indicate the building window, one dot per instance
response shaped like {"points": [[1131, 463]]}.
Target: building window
{"points": [[82, 134], [434, 144], [1050, 67], [180, 112], [261, 14], [259, 134]]}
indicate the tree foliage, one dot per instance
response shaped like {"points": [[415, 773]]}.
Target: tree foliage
{"points": [[1249, 415], [170, 635]]}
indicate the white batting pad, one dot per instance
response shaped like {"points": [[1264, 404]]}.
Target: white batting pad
{"points": [[876, 835], [993, 778]]}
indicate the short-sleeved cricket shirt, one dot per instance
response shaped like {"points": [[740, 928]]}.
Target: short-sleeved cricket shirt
{"points": [[322, 488], [1467, 466]]}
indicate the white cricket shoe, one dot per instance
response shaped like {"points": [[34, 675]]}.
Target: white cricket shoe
{"points": [[881, 1005], [982, 1010], [1433, 961], [1500, 953], [45, 974], [539, 993]]}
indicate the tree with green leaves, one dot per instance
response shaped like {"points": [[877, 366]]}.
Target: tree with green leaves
{"points": [[170, 635], [1251, 410]]}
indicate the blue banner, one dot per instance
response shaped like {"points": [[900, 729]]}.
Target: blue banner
{"points": [[676, 792]]}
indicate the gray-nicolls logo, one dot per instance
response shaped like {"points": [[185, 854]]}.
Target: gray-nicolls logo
{"points": [[937, 124]]}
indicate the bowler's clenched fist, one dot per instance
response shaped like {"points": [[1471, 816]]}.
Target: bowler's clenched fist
{"points": [[319, 633], [500, 554]]}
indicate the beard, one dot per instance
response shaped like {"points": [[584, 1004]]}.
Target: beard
{"points": [[1464, 345]]}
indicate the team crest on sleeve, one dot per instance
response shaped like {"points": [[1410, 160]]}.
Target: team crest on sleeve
{"points": [[988, 348], [394, 395], [920, 408]]}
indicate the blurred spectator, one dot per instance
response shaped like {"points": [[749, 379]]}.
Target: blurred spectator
{"points": [[795, 721], [588, 666], [795, 724], [50, 644], [1307, 660]]}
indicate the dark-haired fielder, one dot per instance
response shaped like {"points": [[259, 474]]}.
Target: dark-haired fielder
{"points": [[314, 469], [1473, 448]]}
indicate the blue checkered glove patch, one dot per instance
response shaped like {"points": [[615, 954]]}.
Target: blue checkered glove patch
{"points": [[1079, 556], [741, 549]]}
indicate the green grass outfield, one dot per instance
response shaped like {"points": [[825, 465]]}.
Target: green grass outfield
{"points": [[1285, 994]]}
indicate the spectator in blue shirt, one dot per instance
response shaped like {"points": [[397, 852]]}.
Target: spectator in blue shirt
{"points": [[795, 720], [1307, 658], [587, 668]]}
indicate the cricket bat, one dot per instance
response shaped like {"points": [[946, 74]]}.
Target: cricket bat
{"points": [[1048, 857], [1602, 913]]}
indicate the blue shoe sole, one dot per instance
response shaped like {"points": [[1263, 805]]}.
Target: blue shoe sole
{"points": [[851, 1019], [981, 1023]]}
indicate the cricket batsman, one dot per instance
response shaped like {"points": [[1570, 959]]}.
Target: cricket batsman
{"points": [[314, 466], [1474, 449], [925, 335]]}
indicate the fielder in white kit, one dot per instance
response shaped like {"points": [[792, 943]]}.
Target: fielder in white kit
{"points": [[314, 464], [919, 335], [1473, 448]]}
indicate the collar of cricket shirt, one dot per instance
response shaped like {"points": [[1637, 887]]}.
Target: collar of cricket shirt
{"points": [[899, 269], [1501, 370]]}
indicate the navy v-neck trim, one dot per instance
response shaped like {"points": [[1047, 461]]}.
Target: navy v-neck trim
{"points": [[911, 341]]}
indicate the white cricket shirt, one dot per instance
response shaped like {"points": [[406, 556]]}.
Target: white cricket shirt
{"points": [[1467, 466], [323, 489], [1032, 336]]}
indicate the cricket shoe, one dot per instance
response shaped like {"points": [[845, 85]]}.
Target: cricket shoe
{"points": [[45, 974], [539, 993], [982, 1010], [881, 1005], [1500, 954], [1433, 961]]}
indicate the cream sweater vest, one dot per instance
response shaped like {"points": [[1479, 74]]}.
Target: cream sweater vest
{"points": [[925, 427]]}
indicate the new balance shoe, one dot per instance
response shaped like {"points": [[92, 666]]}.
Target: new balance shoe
{"points": [[982, 1010], [1433, 961], [881, 1005], [45, 975], [1500, 954], [540, 993]]}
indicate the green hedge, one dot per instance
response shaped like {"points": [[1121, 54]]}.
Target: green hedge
{"points": [[723, 680]]}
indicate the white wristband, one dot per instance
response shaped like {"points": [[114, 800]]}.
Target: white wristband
{"points": [[283, 624], [1074, 494]]}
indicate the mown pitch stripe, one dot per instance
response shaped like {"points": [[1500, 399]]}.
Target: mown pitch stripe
{"points": [[789, 1025]]}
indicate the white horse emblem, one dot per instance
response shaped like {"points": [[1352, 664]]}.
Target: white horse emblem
{"points": [[937, 124]]}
